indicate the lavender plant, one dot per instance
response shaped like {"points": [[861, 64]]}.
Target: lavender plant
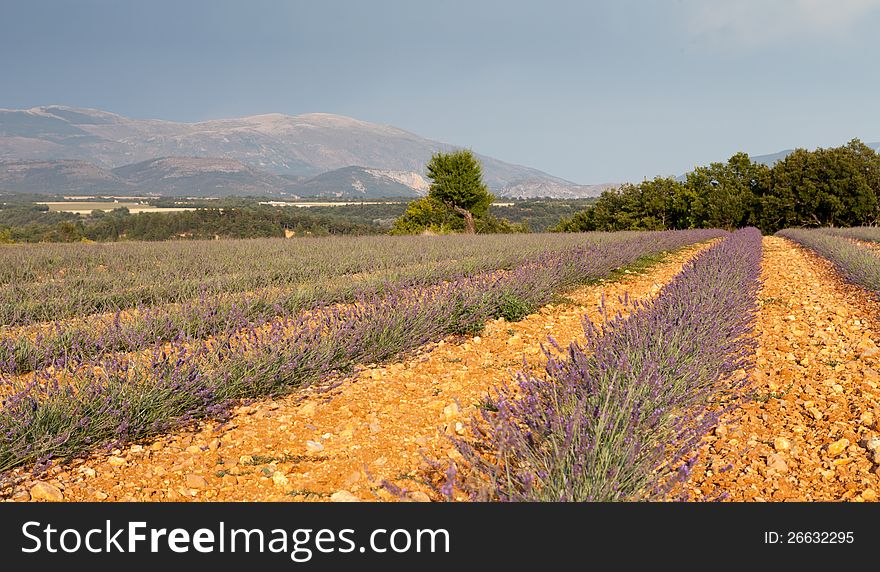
{"points": [[67, 410], [856, 263], [863, 233], [620, 416]]}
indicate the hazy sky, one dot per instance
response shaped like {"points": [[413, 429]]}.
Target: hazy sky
{"points": [[590, 91]]}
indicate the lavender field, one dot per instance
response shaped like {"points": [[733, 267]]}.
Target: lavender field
{"points": [[99, 382], [49, 282], [639, 366], [862, 233]]}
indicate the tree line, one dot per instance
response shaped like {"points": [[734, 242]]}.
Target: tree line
{"points": [[21, 220], [837, 186], [31, 223]]}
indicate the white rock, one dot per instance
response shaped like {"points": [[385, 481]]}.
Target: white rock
{"points": [[781, 444], [776, 462], [451, 411], [418, 496], [280, 479], [344, 496], [46, 492], [88, 471], [196, 481]]}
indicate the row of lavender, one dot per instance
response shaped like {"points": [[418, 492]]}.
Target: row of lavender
{"points": [[621, 416], [66, 411], [863, 233], [50, 282], [856, 263], [326, 276]]}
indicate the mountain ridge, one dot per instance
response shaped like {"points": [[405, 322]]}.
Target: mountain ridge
{"points": [[300, 146]]}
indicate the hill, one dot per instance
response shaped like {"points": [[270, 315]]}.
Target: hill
{"points": [[300, 146], [360, 182], [60, 177], [200, 177]]}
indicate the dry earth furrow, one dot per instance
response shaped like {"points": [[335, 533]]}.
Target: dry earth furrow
{"points": [[873, 246], [807, 436], [342, 442]]}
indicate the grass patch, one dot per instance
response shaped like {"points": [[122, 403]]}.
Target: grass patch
{"points": [[307, 493], [641, 265], [773, 394], [257, 460]]}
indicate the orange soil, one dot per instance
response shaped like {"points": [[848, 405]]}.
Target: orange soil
{"points": [[806, 436]]}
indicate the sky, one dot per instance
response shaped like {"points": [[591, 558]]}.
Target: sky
{"points": [[604, 91]]}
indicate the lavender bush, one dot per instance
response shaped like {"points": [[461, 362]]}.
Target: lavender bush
{"points": [[856, 263], [619, 417], [65, 411]]}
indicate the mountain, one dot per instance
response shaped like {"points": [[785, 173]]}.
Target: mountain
{"points": [[363, 183], [203, 177], [542, 188], [300, 146], [200, 177], [60, 177]]}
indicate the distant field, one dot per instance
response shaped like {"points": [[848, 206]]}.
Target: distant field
{"points": [[86, 207], [307, 204]]}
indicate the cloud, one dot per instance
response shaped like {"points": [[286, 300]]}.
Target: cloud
{"points": [[757, 23]]}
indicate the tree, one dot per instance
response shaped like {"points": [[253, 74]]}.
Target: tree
{"points": [[650, 205], [427, 214], [838, 186], [457, 183], [458, 200], [726, 192]]}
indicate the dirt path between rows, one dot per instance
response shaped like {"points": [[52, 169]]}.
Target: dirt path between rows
{"points": [[340, 444], [808, 435]]}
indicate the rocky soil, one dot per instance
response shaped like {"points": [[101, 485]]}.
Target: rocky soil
{"points": [[811, 432]]}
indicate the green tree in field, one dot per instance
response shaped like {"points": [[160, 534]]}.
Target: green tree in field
{"points": [[457, 182], [456, 199], [427, 214]]}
